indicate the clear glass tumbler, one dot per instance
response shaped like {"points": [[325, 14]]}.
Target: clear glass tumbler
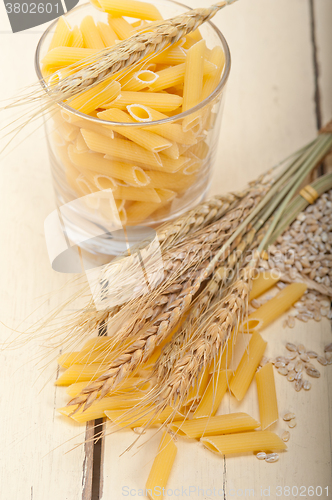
{"points": [[145, 187]]}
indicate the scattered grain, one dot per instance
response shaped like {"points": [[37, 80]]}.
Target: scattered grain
{"points": [[261, 455], [322, 360], [272, 457], [288, 416], [291, 347], [313, 372], [285, 436]]}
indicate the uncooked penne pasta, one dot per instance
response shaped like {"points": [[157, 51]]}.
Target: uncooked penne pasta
{"points": [[80, 144], [81, 373], [132, 383], [161, 467], [106, 33], [142, 194], [247, 367], [174, 55], [95, 162], [174, 75], [171, 131], [98, 408], [66, 130], [212, 80], [121, 27], [131, 8], [65, 56], [263, 282], [274, 308], [267, 396], [139, 211], [91, 99], [90, 33], [176, 182], [148, 140], [244, 442], [138, 417], [140, 80], [215, 391], [62, 34], [214, 426], [160, 102], [193, 82], [76, 38]]}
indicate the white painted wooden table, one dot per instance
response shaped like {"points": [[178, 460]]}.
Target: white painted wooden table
{"points": [[279, 94]]}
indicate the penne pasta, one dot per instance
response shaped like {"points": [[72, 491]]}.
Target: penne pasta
{"points": [[131, 8], [274, 308], [90, 33], [148, 140], [62, 34], [247, 367], [215, 391], [161, 467], [160, 102], [139, 211], [174, 55], [91, 99], [95, 162], [138, 417], [174, 75], [212, 80], [263, 282], [214, 426], [66, 56], [81, 373], [106, 33], [121, 27], [140, 80], [267, 396], [130, 384], [76, 38], [143, 194], [193, 82], [66, 130], [244, 442]]}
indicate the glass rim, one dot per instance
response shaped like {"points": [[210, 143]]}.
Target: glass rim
{"points": [[169, 119]]}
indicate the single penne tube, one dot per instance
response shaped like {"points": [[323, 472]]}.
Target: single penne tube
{"points": [[263, 282], [91, 35], [91, 99], [193, 82], [201, 150], [215, 391], [131, 174], [66, 56], [244, 442], [76, 38], [172, 152], [148, 140], [247, 367], [196, 391], [121, 27], [173, 55], [141, 80], [176, 182], [132, 383], [160, 102], [66, 130], [214, 425], [138, 417], [62, 34], [97, 409], [274, 308], [161, 467], [106, 33], [121, 149], [81, 373], [192, 38], [267, 396], [212, 80], [172, 131], [87, 124], [139, 211], [97, 344], [80, 144], [174, 75], [142, 194], [131, 8]]}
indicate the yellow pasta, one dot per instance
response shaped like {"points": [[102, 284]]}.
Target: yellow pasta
{"points": [[91, 99], [106, 33], [173, 55], [89, 125], [65, 56], [62, 34], [140, 80], [192, 38], [131, 8], [142, 194], [244, 442], [174, 75], [247, 367], [215, 391], [148, 140], [76, 38], [161, 467], [132, 383], [274, 308], [201, 150], [121, 27], [139, 211], [263, 282], [90, 33], [176, 182], [80, 373], [193, 82], [214, 426], [65, 129], [140, 416], [267, 396], [171, 131], [212, 80], [158, 101], [95, 162]]}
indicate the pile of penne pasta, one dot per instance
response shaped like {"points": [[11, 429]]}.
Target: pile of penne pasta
{"points": [[152, 171], [233, 433]]}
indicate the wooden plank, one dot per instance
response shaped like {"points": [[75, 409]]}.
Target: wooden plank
{"points": [[34, 438], [269, 112]]}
